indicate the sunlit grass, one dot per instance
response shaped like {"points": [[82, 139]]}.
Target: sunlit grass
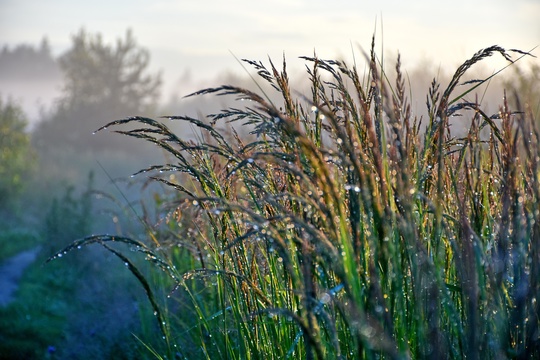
{"points": [[342, 226]]}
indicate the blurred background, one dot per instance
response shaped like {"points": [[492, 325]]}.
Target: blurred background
{"points": [[191, 42], [67, 68]]}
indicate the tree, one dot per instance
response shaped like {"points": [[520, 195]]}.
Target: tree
{"points": [[114, 77], [16, 154], [28, 63], [102, 82]]}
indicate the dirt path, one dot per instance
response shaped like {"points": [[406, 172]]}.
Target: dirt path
{"points": [[11, 271]]}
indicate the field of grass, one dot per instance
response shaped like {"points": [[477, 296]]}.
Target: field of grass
{"points": [[338, 225]]}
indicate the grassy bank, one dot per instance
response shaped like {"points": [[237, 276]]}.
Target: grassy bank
{"points": [[337, 224], [72, 309], [13, 242], [33, 323]]}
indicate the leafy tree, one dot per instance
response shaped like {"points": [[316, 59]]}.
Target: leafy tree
{"points": [[111, 76], [102, 82], [16, 154]]}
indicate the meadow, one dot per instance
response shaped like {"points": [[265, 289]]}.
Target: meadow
{"points": [[337, 224]]}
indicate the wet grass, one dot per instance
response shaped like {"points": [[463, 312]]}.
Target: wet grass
{"points": [[337, 225]]}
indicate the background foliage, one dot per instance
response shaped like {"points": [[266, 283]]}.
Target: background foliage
{"points": [[17, 158]]}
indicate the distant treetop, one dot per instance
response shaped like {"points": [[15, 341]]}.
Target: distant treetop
{"points": [[113, 76], [26, 62]]}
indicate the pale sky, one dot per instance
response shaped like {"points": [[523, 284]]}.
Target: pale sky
{"points": [[200, 35]]}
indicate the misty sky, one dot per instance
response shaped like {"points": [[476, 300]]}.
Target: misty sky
{"points": [[199, 36]]}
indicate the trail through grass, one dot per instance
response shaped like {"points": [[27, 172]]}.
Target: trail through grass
{"points": [[11, 271]]}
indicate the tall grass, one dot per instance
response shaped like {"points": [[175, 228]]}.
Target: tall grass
{"points": [[344, 227]]}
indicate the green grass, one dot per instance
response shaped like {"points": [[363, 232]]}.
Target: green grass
{"points": [[13, 242], [71, 309], [338, 225], [36, 318]]}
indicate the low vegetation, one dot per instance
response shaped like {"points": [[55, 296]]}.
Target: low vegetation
{"points": [[338, 225], [32, 324]]}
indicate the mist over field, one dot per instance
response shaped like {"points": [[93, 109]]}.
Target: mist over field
{"points": [[61, 181], [31, 76]]}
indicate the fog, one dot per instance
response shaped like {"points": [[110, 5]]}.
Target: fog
{"points": [[78, 183], [66, 97]]}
